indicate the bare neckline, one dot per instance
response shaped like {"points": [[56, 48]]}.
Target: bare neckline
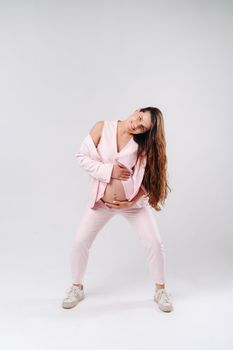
{"points": [[116, 139]]}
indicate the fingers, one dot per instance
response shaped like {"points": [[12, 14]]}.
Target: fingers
{"points": [[112, 205], [125, 173], [120, 202], [117, 204], [122, 177], [121, 165]]}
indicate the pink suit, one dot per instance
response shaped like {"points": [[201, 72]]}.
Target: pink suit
{"points": [[98, 163]]}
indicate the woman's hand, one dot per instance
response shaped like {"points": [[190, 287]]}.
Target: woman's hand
{"points": [[120, 204], [120, 172]]}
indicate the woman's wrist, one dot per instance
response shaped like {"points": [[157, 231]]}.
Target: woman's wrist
{"points": [[140, 193], [132, 202]]}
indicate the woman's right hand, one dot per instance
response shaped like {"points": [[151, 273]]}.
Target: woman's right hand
{"points": [[120, 172]]}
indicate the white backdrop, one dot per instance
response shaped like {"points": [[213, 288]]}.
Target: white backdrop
{"points": [[64, 66]]}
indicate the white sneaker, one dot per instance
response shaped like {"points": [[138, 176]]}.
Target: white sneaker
{"points": [[74, 295], [163, 299]]}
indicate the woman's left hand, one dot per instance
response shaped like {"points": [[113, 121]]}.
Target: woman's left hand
{"points": [[119, 204]]}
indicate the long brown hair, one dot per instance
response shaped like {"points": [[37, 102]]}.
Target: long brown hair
{"points": [[152, 145]]}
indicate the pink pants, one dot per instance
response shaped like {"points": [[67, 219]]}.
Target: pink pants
{"points": [[143, 222]]}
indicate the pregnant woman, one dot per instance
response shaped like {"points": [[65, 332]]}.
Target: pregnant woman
{"points": [[126, 162]]}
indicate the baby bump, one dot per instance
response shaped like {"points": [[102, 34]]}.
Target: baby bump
{"points": [[114, 190]]}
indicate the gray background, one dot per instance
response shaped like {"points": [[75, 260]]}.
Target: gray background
{"points": [[65, 65]]}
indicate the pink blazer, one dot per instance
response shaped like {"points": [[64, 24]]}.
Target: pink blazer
{"points": [[100, 173]]}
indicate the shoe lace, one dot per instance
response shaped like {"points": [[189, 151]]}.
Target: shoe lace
{"points": [[162, 293], [72, 291]]}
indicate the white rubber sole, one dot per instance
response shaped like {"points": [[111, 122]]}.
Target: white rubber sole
{"points": [[71, 305]]}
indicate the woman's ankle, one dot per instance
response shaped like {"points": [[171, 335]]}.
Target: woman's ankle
{"points": [[159, 286]]}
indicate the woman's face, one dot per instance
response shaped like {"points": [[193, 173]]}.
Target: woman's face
{"points": [[139, 122]]}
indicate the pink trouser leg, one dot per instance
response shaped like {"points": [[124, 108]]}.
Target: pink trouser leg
{"points": [[145, 224], [91, 223]]}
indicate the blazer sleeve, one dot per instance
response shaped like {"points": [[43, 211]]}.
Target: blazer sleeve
{"points": [[90, 161]]}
